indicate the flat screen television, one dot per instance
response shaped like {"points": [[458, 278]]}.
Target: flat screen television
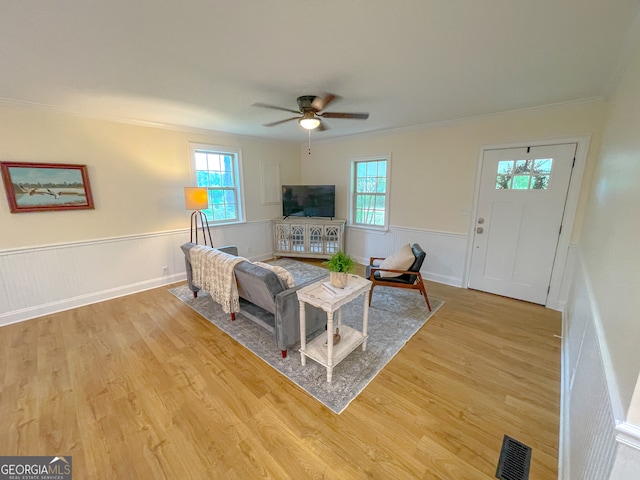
{"points": [[309, 200]]}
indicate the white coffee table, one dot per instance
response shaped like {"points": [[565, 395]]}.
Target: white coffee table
{"points": [[321, 349]]}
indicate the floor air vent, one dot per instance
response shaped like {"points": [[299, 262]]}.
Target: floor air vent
{"points": [[515, 459]]}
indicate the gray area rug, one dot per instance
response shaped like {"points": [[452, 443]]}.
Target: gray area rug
{"points": [[395, 316]]}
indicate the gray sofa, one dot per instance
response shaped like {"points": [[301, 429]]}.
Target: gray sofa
{"points": [[266, 300]]}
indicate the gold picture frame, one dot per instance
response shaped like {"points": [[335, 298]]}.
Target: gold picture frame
{"points": [[39, 187]]}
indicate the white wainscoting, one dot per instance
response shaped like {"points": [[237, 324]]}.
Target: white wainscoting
{"points": [[445, 251], [42, 280], [590, 404], [37, 281]]}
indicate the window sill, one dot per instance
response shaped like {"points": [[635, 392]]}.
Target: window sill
{"points": [[378, 230], [223, 224]]}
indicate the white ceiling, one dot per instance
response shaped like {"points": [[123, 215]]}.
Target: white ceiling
{"points": [[203, 63]]}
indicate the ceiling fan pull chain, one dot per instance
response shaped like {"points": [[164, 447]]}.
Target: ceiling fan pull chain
{"points": [[309, 141]]}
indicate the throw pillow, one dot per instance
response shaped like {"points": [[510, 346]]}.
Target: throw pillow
{"points": [[400, 260], [285, 276]]}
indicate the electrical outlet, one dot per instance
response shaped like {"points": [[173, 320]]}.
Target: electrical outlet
{"points": [[165, 270]]}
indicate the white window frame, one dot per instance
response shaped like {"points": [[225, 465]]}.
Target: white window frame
{"points": [[353, 193], [238, 188]]}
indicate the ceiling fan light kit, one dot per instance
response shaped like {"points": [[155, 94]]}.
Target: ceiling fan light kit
{"points": [[310, 107], [309, 121]]}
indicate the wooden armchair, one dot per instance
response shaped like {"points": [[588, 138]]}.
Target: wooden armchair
{"points": [[409, 278]]}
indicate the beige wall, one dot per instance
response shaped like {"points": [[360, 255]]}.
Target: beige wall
{"points": [[434, 168], [609, 244], [137, 175]]}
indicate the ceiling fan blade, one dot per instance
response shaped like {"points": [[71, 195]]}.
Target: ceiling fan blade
{"points": [[320, 103], [274, 107], [357, 116], [280, 121]]}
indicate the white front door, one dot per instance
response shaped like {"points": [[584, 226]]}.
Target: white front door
{"points": [[520, 208]]}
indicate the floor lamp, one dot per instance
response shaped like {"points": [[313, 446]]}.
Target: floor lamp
{"points": [[197, 199]]}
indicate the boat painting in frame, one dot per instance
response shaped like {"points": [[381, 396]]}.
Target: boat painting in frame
{"points": [[38, 187]]}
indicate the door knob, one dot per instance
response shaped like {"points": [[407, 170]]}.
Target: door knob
{"points": [[479, 230]]}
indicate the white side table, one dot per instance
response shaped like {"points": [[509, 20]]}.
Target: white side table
{"points": [[321, 348]]}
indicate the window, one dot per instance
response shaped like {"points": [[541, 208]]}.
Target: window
{"points": [[219, 169], [370, 192], [524, 174]]}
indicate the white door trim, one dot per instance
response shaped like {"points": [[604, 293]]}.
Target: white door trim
{"points": [[570, 210]]}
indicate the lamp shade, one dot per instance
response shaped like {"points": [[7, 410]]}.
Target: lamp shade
{"points": [[195, 198]]}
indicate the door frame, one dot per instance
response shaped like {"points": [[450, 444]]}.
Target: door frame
{"points": [[573, 194]]}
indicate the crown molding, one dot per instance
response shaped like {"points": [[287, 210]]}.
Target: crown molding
{"points": [[11, 102], [462, 120], [372, 134]]}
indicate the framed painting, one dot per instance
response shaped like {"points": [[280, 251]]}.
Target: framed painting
{"points": [[38, 187]]}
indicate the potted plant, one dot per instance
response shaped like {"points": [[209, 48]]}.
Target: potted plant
{"points": [[339, 266]]}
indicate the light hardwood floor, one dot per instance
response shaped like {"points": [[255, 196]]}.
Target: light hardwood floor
{"points": [[142, 387]]}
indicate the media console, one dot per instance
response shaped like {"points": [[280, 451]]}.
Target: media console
{"points": [[311, 237]]}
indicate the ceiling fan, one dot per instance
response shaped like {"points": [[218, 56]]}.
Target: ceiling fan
{"points": [[310, 110]]}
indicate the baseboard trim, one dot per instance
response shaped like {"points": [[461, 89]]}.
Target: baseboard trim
{"points": [[451, 281]]}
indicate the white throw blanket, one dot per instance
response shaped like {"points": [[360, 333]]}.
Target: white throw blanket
{"points": [[213, 272]]}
